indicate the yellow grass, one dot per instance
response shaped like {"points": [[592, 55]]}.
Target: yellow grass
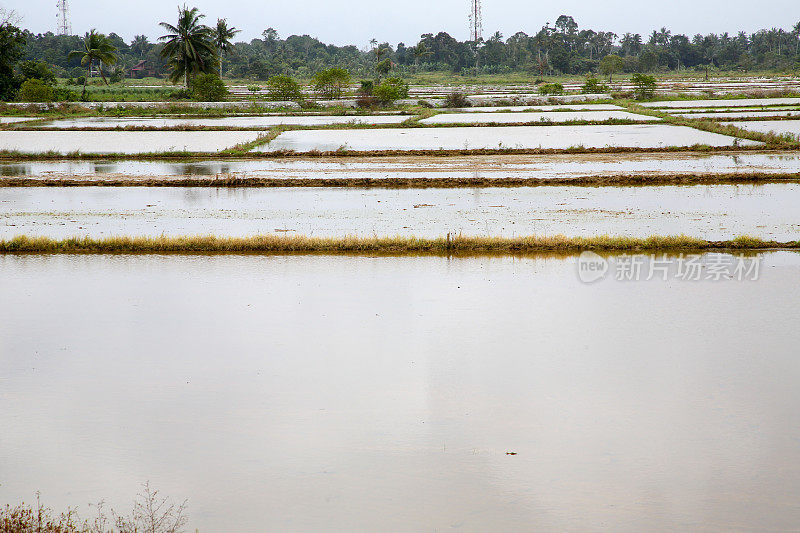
{"points": [[446, 245]]}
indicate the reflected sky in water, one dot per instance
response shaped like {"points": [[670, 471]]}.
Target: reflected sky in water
{"points": [[342, 394]]}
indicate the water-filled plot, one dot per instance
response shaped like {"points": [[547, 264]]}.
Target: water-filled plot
{"points": [[558, 166], [525, 117], [718, 212], [386, 394], [735, 102], [509, 137], [265, 121], [122, 142]]}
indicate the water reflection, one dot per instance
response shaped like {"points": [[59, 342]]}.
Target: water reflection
{"points": [[343, 394], [489, 166]]}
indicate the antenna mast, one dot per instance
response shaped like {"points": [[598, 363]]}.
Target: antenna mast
{"points": [[475, 21], [64, 27]]}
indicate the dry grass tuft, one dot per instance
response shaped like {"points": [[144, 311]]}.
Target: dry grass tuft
{"points": [[351, 245]]}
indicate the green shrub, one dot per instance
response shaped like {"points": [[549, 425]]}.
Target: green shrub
{"points": [[331, 83], [384, 67], [456, 99], [593, 86], [179, 94], [62, 94], [284, 88], [208, 88], [367, 86], [37, 70], [551, 88], [644, 86], [35, 90], [391, 89], [117, 76]]}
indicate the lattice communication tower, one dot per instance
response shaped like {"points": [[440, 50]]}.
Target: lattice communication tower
{"points": [[475, 21], [64, 27]]}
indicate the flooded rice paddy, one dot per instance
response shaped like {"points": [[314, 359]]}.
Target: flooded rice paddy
{"points": [[386, 394], [480, 166], [228, 122], [673, 111], [737, 102], [12, 120], [739, 114], [520, 137], [538, 108], [717, 212], [789, 127], [123, 142], [524, 117]]}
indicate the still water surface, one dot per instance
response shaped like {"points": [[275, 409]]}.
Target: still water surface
{"points": [[524, 117], [504, 166], [122, 142], [738, 102], [382, 394], [490, 137], [769, 211], [265, 121]]}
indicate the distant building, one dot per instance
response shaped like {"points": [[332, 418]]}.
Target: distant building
{"points": [[142, 69]]}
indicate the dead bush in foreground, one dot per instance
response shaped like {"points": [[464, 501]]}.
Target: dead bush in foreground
{"points": [[151, 513]]}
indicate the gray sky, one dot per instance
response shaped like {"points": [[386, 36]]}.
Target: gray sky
{"points": [[357, 21]]}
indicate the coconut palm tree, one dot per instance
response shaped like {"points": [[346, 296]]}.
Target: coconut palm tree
{"points": [[140, 45], [381, 51], [796, 33], [189, 46], [96, 48], [222, 38], [421, 51]]}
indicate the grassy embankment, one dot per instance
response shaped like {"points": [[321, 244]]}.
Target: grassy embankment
{"points": [[399, 246], [183, 108]]}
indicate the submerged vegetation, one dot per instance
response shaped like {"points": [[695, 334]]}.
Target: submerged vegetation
{"points": [[447, 245]]}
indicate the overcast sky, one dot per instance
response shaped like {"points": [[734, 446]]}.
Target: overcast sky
{"points": [[357, 21]]}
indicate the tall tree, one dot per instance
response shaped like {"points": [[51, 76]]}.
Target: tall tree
{"points": [[140, 45], [421, 51], [12, 45], [222, 38], [796, 33], [95, 48], [189, 46]]}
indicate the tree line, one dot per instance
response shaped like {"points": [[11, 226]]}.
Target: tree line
{"points": [[562, 48], [187, 52]]}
